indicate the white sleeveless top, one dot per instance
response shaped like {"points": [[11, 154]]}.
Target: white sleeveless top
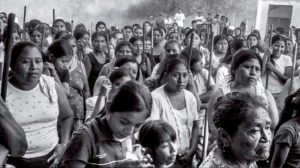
{"points": [[260, 91], [36, 111]]}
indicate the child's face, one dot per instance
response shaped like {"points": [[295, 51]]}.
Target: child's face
{"points": [[62, 63], [165, 153]]}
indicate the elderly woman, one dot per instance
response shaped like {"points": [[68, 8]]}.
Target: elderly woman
{"points": [[40, 107], [108, 141], [244, 134], [245, 72]]}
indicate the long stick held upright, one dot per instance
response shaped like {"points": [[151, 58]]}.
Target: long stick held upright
{"points": [[108, 45], [206, 131], [270, 44], [24, 21], [144, 43], [191, 49], [7, 55], [43, 37], [53, 15], [294, 60], [152, 40]]}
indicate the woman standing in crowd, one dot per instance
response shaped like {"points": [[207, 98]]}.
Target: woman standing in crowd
{"points": [[221, 49], [177, 106], [128, 33], [40, 107], [277, 66], [245, 72], [36, 37], [158, 50], [96, 143], [95, 60], [58, 25], [79, 86], [243, 131]]}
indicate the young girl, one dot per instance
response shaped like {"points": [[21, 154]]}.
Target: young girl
{"points": [[59, 55], [160, 141], [286, 140]]}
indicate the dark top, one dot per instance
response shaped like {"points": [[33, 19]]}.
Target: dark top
{"points": [[93, 145], [289, 134], [95, 69]]}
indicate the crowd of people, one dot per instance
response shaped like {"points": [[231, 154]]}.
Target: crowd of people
{"points": [[155, 94]]}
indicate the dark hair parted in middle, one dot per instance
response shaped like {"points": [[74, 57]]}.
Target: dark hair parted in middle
{"points": [[60, 48], [241, 57], [132, 97]]}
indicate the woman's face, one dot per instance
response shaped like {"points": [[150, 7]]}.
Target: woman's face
{"points": [[124, 50], [289, 46], [230, 39], [124, 124], [16, 38], [147, 27], [29, 66], [165, 153], [252, 140], [174, 36], [237, 32], [278, 48], [99, 44], [221, 46], [172, 48], [118, 82], [36, 37], [59, 26], [138, 46], [177, 79], [147, 46], [197, 67], [128, 34], [86, 39], [252, 41], [132, 69], [156, 37], [248, 72], [62, 63], [101, 28], [119, 37], [138, 32], [196, 42]]}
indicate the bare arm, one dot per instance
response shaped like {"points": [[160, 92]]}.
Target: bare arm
{"points": [[280, 155], [88, 65], [272, 109]]}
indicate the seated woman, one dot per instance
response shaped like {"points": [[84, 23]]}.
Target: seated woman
{"points": [[286, 142], [244, 134], [40, 107], [160, 141], [177, 106], [108, 141], [245, 72]]}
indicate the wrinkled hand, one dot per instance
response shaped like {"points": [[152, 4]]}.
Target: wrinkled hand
{"points": [[57, 155], [271, 67]]}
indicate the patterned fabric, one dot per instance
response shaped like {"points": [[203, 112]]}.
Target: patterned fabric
{"points": [[214, 161], [36, 111]]}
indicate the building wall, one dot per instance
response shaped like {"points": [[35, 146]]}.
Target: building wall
{"points": [[263, 11]]}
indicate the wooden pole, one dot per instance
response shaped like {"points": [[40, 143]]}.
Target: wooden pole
{"points": [[270, 44], [24, 22], [293, 70], [152, 41], [53, 15], [7, 54], [206, 131], [43, 37], [108, 45], [72, 26], [191, 49]]}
